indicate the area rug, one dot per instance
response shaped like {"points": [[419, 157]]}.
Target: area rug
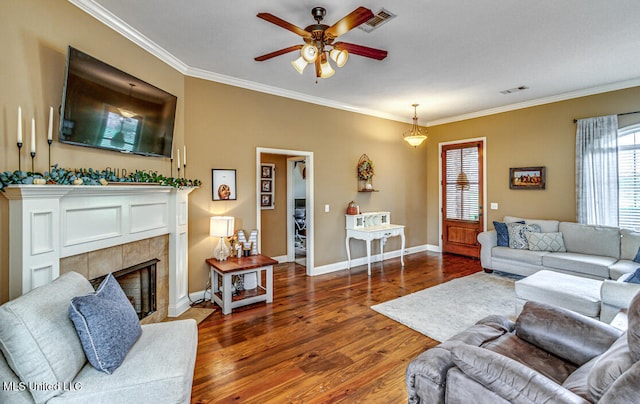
{"points": [[444, 310], [197, 313]]}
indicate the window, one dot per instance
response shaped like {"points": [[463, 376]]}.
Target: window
{"points": [[629, 176], [462, 183]]}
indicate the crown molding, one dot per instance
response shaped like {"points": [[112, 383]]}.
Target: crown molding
{"points": [[621, 85], [115, 23], [110, 20], [251, 85]]}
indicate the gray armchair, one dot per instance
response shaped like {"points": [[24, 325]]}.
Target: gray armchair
{"points": [[549, 355]]}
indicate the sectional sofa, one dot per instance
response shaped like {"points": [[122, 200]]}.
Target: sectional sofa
{"points": [[598, 252]]}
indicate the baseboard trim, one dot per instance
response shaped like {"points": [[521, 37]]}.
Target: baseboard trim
{"points": [[281, 258], [338, 266]]}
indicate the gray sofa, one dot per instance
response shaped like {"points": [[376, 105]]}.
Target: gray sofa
{"points": [[549, 355], [597, 252], [42, 360]]}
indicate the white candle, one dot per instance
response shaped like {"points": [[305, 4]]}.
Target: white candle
{"points": [[50, 132], [33, 135], [19, 124], [185, 155], [178, 150]]}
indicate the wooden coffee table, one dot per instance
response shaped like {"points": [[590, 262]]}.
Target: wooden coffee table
{"points": [[223, 270]]}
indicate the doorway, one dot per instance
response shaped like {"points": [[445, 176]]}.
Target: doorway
{"points": [[297, 210], [300, 200], [462, 202]]}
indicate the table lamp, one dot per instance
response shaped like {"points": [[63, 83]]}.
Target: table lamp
{"points": [[221, 226]]}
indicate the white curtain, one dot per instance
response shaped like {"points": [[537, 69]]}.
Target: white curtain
{"points": [[597, 170]]}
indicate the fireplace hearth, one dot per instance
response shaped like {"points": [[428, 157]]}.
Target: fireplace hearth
{"points": [[139, 285]]}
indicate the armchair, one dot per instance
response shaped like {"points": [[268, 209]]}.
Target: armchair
{"points": [[549, 355]]}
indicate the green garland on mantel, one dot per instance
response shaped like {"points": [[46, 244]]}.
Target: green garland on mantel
{"points": [[61, 176]]}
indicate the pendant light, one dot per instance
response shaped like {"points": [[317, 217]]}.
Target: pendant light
{"points": [[415, 136]]}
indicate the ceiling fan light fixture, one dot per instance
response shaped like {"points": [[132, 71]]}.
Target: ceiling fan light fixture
{"points": [[309, 53], [415, 136], [326, 70], [339, 56], [299, 64]]}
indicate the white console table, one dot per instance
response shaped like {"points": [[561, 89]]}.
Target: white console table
{"points": [[372, 226]]}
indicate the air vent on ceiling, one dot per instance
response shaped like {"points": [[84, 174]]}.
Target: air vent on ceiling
{"points": [[378, 19], [514, 90]]}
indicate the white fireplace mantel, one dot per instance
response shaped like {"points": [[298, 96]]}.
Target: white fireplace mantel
{"points": [[49, 222]]}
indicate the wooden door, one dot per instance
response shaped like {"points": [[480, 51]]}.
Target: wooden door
{"points": [[462, 196]]}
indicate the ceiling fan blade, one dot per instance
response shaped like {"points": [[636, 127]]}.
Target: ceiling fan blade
{"points": [[284, 24], [347, 23], [360, 50], [278, 53]]}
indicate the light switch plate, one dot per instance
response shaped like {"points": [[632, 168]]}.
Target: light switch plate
{"points": [[494, 206], [326, 208]]}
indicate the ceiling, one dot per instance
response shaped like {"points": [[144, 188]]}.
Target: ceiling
{"points": [[452, 57]]}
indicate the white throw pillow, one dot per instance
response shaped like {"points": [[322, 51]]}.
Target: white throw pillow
{"points": [[546, 242]]}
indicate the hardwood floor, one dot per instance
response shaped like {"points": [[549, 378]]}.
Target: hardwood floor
{"points": [[319, 342]]}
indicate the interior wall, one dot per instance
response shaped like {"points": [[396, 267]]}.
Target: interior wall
{"points": [[35, 35], [274, 221], [538, 136], [226, 124]]}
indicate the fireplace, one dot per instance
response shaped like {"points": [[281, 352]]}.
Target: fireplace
{"points": [[139, 285], [95, 230]]}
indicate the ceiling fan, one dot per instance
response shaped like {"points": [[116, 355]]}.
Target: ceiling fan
{"points": [[319, 45]]}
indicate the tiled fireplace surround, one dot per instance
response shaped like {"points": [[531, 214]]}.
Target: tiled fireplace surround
{"points": [[101, 262], [95, 230]]}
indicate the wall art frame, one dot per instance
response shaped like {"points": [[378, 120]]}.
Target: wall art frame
{"points": [[223, 184], [527, 177], [267, 185]]}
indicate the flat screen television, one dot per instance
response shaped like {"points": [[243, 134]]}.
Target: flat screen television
{"points": [[107, 108]]}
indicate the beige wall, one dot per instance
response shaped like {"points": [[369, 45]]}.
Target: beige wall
{"points": [[537, 136], [225, 125]]}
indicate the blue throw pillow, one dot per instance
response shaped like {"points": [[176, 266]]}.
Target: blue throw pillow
{"points": [[637, 258], [635, 278], [106, 323], [503, 233]]}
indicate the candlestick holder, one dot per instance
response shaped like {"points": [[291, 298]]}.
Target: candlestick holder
{"points": [[49, 141], [185, 171], [178, 171], [19, 155], [171, 169], [33, 155]]}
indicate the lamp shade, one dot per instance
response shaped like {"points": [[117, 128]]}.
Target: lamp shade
{"points": [[339, 56], [415, 140], [309, 53], [326, 70], [299, 64], [221, 226]]}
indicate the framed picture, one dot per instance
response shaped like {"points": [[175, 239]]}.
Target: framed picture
{"points": [[527, 178], [265, 200], [267, 171], [266, 186], [223, 184]]}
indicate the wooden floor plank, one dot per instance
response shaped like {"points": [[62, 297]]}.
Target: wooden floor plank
{"points": [[319, 341]]}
